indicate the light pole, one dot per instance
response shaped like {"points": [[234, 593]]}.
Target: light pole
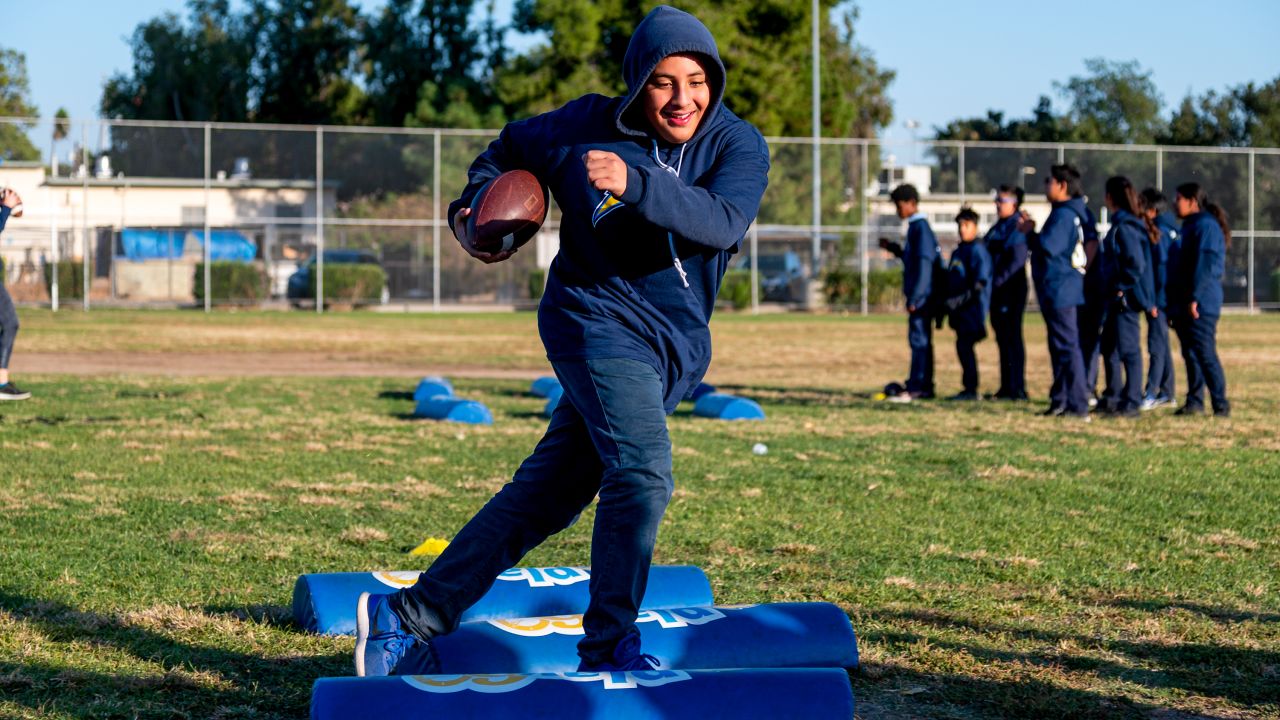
{"points": [[913, 126], [1023, 172]]}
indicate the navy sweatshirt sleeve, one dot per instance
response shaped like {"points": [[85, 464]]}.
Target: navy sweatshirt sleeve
{"points": [[919, 257], [508, 152], [1012, 260], [1131, 264], [4, 215], [716, 212]]}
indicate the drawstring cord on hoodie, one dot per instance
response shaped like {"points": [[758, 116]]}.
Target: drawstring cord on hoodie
{"points": [[671, 241]]}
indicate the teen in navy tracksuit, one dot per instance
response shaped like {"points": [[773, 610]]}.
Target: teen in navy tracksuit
{"points": [[9, 200], [1125, 261], [921, 258], [1057, 268], [968, 296], [1160, 376], [1195, 297], [657, 189], [1007, 246]]}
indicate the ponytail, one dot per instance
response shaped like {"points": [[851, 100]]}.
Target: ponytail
{"points": [[1126, 198], [1193, 191]]}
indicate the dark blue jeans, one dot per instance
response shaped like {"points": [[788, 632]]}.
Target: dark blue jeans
{"points": [[968, 359], [608, 435], [1160, 374], [8, 326], [1199, 339], [920, 338], [1090, 318], [1122, 354], [1068, 389]]}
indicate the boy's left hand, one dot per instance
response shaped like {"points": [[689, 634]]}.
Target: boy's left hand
{"points": [[606, 171]]}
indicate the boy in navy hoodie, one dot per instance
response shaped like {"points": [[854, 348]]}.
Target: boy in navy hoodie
{"points": [[657, 189], [1007, 246], [1058, 263], [968, 295], [921, 259]]}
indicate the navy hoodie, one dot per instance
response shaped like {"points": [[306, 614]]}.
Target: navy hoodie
{"points": [[637, 276], [4, 215], [920, 256], [969, 277], [1201, 264], [1125, 261], [1008, 248], [1160, 257], [1058, 257]]}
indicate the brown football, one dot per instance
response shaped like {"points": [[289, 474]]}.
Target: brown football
{"points": [[507, 211]]}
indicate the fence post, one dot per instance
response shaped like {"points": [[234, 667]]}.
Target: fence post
{"points": [[84, 214], [1252, 292], [208, 240], [319, 219], [755, 267], [1062, 154], [53, 249], [435, 225], [962, 188], [1160, 169], [866, 269]]}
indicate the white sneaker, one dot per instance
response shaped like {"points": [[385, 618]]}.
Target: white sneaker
{"points": [[900, 398], [9, 391], [1148, 403], [1093, 403]]}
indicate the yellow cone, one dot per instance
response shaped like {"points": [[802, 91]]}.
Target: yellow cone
{"points": [[430, 546]]}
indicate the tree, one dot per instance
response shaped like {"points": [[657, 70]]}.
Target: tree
{"points": [[1117, 102], [15, 102], [306, 62]]}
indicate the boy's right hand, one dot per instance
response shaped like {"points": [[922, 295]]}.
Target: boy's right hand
{"points": [[464, 239], [10, 199]]}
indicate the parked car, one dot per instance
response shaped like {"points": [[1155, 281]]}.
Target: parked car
{"points": [[299, 287], [782, 276]]}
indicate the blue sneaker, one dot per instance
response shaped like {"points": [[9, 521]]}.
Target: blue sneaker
{"points": [[380, 643], [626, 657]]}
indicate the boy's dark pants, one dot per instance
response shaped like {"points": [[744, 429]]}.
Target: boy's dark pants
{"points": [[1006, 323], [968, 359], [1160, 374], [607, 435], [1122, 353], [1068, 391], [1090, 318], [920, 338], [1200, 351]]}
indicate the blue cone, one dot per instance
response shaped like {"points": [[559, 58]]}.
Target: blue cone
{"points": [[454, 409], [432, 386], [544, 386]]}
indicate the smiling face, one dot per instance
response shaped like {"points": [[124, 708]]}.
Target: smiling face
{"points": [[675, 97]]}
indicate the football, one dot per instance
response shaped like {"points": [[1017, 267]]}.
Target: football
{"points": [[507, 211]]}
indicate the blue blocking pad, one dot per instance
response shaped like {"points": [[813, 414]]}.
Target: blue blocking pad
{"points": [[454, 409], [543, 386], [326, 602], [553, 399], [692, 638], [816, 694], [727, 407], [700, 390], [432, 386]]}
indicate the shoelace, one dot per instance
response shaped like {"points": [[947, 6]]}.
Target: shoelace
{"points": [[671, 242]]}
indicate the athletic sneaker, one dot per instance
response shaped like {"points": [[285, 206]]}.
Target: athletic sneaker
{"points": [[1148, 403], [380, 643], [1189, 410], [963, 396], [9, 391], [1054, 411], [626, 657], [1093, 403]]}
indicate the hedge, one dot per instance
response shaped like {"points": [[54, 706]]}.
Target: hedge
{"points": [[70, 279], [843, 287], [350, 282], [735, 289], [232, 281], [537, 283]]}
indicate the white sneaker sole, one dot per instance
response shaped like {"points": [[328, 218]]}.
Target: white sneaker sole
{"points": [[362, 631], [23, 396]]}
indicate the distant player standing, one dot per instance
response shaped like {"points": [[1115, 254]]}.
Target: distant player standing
{"points": [[9, 200], [657, 189]]}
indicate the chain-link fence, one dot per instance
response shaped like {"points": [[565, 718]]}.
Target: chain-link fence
{"points": [[196, 214]]}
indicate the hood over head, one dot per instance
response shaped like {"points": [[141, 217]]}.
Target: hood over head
{"points": [[667, 31]]}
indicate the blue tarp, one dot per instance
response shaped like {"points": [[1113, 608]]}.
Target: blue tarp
{"points": [[139, 244]]}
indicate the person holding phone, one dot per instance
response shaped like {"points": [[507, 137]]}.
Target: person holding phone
{"points": [[10, 205]]}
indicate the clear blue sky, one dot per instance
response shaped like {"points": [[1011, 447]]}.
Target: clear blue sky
{"points": [[953, 57]]}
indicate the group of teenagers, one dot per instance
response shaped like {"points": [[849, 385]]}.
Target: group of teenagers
{"points": [[1093, 292]]}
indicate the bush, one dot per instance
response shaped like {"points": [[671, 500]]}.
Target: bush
{"points": [[232, 281], [735, 289], [70, 279], [537, 283], [350, 283], [842, 287]]}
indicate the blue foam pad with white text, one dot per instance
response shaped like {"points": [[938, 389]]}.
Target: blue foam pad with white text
{"points": [[691, 638], [326, 602], [763, 694]]}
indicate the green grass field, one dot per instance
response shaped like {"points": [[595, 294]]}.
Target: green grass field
{"points": [[994, 563]]}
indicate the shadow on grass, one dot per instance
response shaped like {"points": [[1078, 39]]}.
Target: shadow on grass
{"points": [[396, 395], [186, 679], [56, 420], [1234, 674]]}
